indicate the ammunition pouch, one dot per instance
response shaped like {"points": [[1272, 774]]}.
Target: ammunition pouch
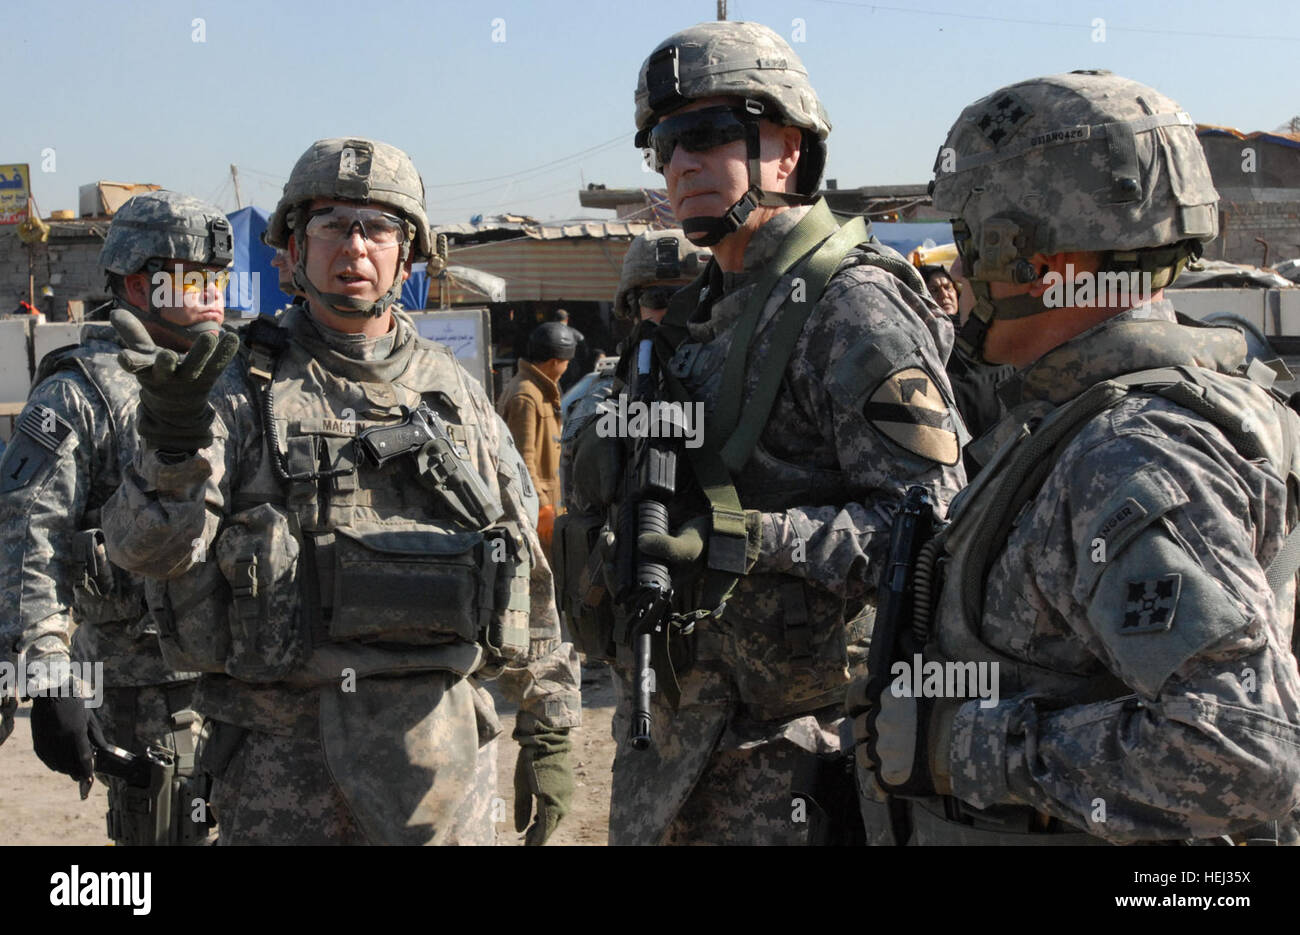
{"points": [[793, 656], [240, 615], [258, 555], [191, 611], [102, 593], [579, 550], [423, 585]]}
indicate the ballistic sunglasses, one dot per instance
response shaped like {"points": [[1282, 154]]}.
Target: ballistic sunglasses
{"points": [[697, 131]]}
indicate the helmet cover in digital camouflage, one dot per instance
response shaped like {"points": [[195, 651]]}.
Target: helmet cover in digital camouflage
{"points": [[153, 228], [352, 169], [747, 61], [663, 257], [1088, 162], [168, 226]]}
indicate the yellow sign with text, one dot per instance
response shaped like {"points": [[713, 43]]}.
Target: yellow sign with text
{"points": [[15, 190]]}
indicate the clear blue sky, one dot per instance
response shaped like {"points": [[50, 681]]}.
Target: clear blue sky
{"points": [[122, 92]]}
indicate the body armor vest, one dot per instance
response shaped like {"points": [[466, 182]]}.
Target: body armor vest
{"points": [[330, 560]]}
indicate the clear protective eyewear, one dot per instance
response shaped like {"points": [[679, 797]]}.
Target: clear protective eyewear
{"points": [[696, 131], [378, 228]]}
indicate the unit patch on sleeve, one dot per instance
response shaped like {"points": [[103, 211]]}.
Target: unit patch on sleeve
{"points": [[909, 410], [1151, 604], [34, 447]]}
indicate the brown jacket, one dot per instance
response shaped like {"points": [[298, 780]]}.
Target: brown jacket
{"points": [[530, 404]]}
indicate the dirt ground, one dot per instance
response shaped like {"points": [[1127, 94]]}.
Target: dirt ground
{"points": [[38, 806]]}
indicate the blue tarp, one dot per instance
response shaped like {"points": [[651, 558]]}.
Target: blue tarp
{"points": [[905, 237], [415, 288], [251, 294]]}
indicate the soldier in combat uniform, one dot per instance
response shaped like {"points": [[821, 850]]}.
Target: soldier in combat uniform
{"points": [[1119, 569], [367, 553], [657, 264], [165, 256], [824, 398]]}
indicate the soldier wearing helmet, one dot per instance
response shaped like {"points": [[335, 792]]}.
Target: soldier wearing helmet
{"points": [[1116, 580], [656, 265], [165, 256], [355, 471], [816, 362]]}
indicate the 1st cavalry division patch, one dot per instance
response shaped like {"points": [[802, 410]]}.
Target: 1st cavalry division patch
{"points": [[908, 409]]}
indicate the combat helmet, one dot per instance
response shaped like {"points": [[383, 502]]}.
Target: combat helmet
{"points": [[1087, 161], [360, 170], [662, 257], [751, 62], [157, 229]]}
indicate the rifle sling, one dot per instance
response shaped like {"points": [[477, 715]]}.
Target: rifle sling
{"points": [[811, 231], [714, 466], [816, 272]]}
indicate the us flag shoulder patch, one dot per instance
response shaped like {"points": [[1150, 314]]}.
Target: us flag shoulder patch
{"points": [[909, 410]]}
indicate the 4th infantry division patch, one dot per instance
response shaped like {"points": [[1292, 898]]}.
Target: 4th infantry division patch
{"points": [[909, 410], [1150, 605]]}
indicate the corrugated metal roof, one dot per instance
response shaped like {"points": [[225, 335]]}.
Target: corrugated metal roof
{"points": [[589, 228], [1283, 139], [573, 269]]}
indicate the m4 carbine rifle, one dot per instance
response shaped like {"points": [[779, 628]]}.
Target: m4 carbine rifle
{"points": [[643, 588]]}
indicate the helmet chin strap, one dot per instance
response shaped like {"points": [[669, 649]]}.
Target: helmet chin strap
{"points": [[972, 334], [716, 228], [347, 306]]}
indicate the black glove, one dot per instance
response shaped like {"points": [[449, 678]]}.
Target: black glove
{"points": [[543, 772], [63, 733], [174, 412]]}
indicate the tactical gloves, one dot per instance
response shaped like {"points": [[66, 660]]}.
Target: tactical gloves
{"points": [[543, 772], [174, 412], [687, 545], [907, 742], [63, 733]]}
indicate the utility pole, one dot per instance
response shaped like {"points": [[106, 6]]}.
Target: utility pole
{"points": [[722, 9], [234, 177]]}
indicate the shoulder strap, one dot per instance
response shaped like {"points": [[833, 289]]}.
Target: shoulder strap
{"points": [[816, 272], [1021, 478], [67, 358], [1025, 474], [1175, 385], [810, 234]]}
